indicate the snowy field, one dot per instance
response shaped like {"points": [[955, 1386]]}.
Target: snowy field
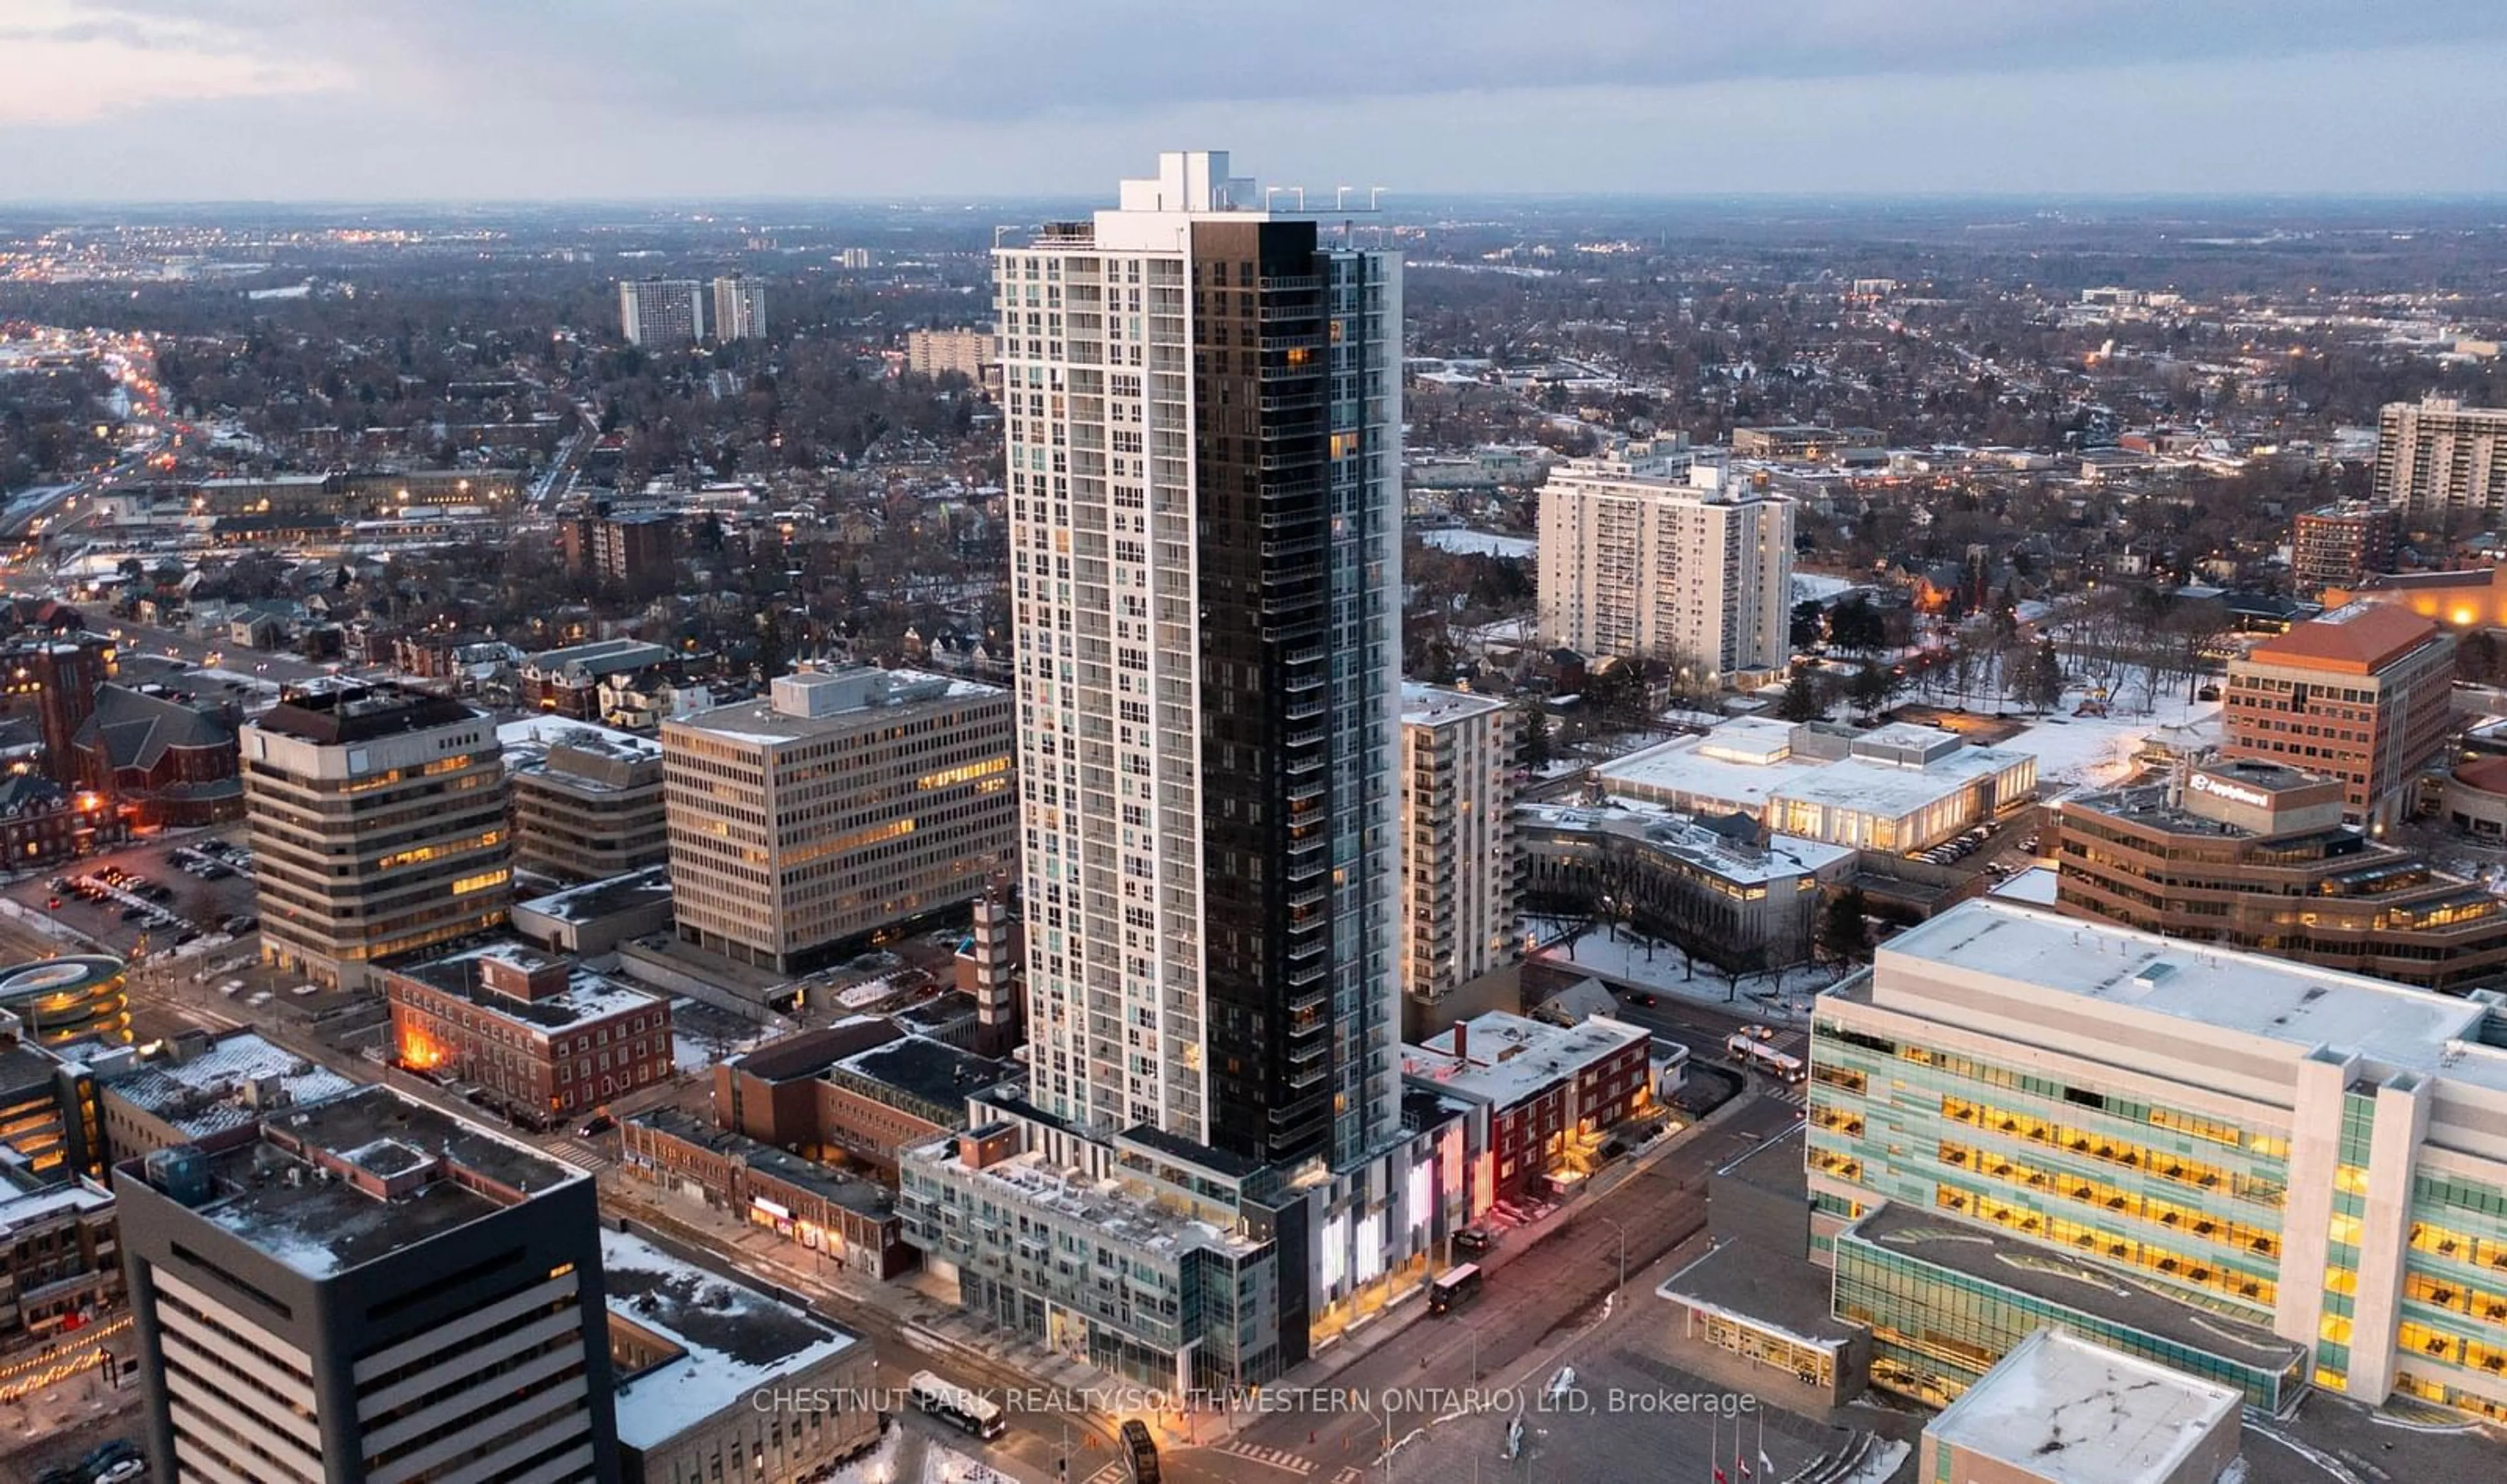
{"points": [[1660, 966], [905, 1457], [1818, 587], [1480, 543], [2075, 752]]}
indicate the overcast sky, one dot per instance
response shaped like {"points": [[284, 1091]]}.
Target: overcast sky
{"points": [[548, 99]]}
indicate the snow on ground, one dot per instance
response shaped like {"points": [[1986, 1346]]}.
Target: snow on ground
{"points": [[1480, 543], [1630, 956], [2075, 752], [906, 1457], [702, 1035], [1818, 587]]}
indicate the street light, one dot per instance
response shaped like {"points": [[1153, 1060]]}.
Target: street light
{"points": [[1624, 1245]]}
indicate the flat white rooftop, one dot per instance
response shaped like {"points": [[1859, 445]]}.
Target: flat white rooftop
{"points": [[1783, 857], [1428, 706], [2304, 1007], [2060, 1408], [1507, 1058], [1680, 768]]}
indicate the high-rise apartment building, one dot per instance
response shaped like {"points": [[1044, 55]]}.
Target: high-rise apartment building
{"points": [[1647, 555], [1201, 401], [586, 799], [2268, 1174], [1203, 413], [2363, 694], [739, 308], [852, 801], [944, 352], [379, 826], [1458, 864], [662, 312], [2443, 464], [2337, 545], [364, 1291]]}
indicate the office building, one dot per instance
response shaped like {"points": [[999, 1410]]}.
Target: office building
{"points": [[544, 1038], [701, 1362], [2363, 694], [1643, 555], [1207, 614], [586, 799], [2266, 1173], [379, 826], [1803, 443], [850, 803], [2256, 856], [1746, 896], [2443, 464], [662, 313], [368, 1289], [739, 309], [1458, 866], [948, 352], [2340, 545], [2061, 1410]]}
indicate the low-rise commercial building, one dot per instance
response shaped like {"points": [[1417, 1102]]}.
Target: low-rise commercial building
{"points": [[1544, 1097], [2058, 1409], [541, 1036], [717, 1380], [206, 1090], [852, 1221], [566, 682], [1901, 788], [163, 761], [1746, 895], [2256, 856], [589, 921]]}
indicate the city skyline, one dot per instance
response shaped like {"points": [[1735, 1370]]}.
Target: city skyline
{"points": [[124, 100]]}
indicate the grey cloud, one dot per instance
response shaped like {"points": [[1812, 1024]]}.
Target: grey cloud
{"points": [[1019, 59]]}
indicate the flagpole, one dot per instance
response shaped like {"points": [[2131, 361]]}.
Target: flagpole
{"points": [[1713, 1446]]}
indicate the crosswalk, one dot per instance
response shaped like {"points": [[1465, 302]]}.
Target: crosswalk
{"points": [[1111, 1474], [581, 1155], [1277, 1458]]}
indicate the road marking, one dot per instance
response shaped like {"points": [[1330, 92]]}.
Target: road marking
{"points": [[1270, 1458]]}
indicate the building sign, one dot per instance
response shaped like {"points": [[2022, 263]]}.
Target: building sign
{"points": [[2253, 798]]}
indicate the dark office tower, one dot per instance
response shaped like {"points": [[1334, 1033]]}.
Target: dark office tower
{"points": [[56, 678], [369, 1291], [1203, 404]]}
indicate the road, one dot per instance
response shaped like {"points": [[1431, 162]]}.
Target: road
{"points": [[271, 666]]}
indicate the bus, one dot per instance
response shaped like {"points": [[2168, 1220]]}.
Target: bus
{"points": [[1459, 1286], [955, 1405], [1140, 1452], [1751, 1050]]}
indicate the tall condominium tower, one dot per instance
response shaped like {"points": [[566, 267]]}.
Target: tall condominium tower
{"points": [[739, 308], [1644, 556], [1203, 408], [662, 312], [2443, 464]]}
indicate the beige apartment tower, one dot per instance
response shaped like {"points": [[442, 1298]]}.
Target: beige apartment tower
{"points": [[379, 826], [851, 802], [1644, 556], [939, 352], [2443, 464], [1458, 863]]}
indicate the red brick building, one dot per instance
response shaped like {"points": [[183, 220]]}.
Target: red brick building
{"points": [[542, 1036], [852, 1221], [2363, 694], [163, 761], [1542, 1097]]}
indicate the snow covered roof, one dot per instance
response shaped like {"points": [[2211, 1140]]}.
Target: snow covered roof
{"points": [[213, 1089], [732, 1340], [2065, 1410], [1699, 772], [1429, 705], [1505, 1058]]}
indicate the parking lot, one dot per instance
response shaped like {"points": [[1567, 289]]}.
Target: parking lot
{"points": [[141, 894]]}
